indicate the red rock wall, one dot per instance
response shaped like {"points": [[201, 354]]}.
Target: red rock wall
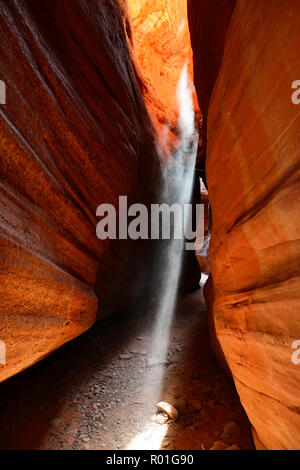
{"points": [[161, 47], [253, 174], [74, 133]]}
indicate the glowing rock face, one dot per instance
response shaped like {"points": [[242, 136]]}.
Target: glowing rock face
{"points": [[74, 133], [253, 174], [162, 46]]}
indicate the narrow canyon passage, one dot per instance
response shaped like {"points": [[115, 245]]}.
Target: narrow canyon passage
{"points": [[89, 394]]}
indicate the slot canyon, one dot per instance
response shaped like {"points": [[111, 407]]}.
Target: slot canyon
{"points": [[164, 102]]}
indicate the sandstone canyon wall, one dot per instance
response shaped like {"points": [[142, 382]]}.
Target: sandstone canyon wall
{"points": [[161, 50], [74, 133], [253, 174]]}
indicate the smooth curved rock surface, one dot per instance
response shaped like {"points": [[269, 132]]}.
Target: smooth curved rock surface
{"points": [[253, 174], [74, 133]]}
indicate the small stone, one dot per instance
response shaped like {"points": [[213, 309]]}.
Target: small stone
{"points": [[231, 429], [168, 409], [233, 447], [205, 388], [165, 444], [181, 404], [178, 348], [196, 404], [218, 445]]}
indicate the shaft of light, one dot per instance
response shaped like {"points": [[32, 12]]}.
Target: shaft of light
{"points": [[180, 187]]}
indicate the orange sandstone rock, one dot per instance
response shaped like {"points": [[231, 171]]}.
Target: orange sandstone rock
{"points": [[253, 174], [162, 46], [74, 133]]}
